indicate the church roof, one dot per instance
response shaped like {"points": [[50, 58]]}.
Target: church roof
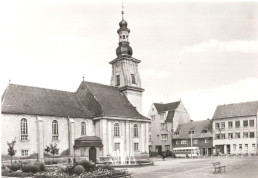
{"points": [[88, 141], [236, 110], [166, 107], [199, 128], [89, 101]]}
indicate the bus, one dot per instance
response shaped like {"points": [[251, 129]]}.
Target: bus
{"points": [[184, 152]]}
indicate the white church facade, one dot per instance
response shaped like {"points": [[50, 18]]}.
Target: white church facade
{"points": [[96, 120]]}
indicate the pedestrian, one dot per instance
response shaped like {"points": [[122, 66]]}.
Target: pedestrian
{"points": [[164, 156]]}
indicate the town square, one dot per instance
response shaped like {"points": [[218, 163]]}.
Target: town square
{"points": [[129, 89]]}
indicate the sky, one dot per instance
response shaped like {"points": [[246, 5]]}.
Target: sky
{"points": [[204, 54]]}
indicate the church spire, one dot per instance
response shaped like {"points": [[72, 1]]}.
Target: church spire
{"points": [[124, 48]]}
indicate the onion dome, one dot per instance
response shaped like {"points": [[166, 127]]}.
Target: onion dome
{"points": [[124, 49]]}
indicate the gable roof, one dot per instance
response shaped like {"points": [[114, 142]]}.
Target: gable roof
{"points": [[20, 99], [236, 110], [90, 100], [197, 127], [166, 107]]}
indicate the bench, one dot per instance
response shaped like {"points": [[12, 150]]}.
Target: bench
{"points": [[218, 167]]}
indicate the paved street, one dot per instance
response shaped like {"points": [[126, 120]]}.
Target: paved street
{"points": [[197, 168]]}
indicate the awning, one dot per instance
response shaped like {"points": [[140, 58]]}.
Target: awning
{"points": [[88, 141]]}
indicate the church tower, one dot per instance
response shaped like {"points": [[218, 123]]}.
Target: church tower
{"points": [[125, 74]]}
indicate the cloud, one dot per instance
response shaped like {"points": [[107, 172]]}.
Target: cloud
{"points": [[201, 104], [243, 46]]}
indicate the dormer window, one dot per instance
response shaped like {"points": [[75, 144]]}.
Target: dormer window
{"points": [[204, 131], [191, 132], [117, 80], [176, 133], [133, 79]]}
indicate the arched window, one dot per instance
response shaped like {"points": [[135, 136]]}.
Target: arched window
{"points": [[116, 130], [54, 130], [83, 128], [24, 129], [135, 130]]}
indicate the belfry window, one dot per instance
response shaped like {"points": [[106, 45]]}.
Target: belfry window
{"points": [[133, 79], [83, 128], [24, 129], [116, 130], [117, 80], [123, 36], [135, 130], [54, 130]]}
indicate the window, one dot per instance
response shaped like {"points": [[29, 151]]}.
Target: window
{"points": [[54, 130], [123, 36], [253, 146], [133, 79], [183, 141], [149, 138], [234, 147], [204, 131], [230, 124], [83, 128], [195, 142], [117, 80], [222, 125], [230, 135], [167, 147], [251, 122], [153, 117], [206, 140], [217, 136], [164, 136], [24, 129], [240, 146], [245, 134], [161, 116], [136, 146], [135, 130], [251, 134], [24, 153], [177, 142], [150, 148], [237, 123], [163, 125], [191, 132], [116, 130], [117, 146], [217, 125], [176, 133], [238, 135], [246, 123], [222, 136], [246, 146]]}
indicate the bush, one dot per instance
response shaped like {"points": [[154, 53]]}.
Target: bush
{"points": [[61, 169], [30, 168], [50, 162], [16, 166], [16, 174], [87, 165], [105, 167], [70, 169], [40, 165], [79, 169]]}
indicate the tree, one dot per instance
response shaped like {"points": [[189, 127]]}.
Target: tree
{"points": [[52, 149], [11, 151]]}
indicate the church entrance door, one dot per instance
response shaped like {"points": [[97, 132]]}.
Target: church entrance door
{"points": [[92, 154]]}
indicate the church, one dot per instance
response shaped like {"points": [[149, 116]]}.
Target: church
{"points": [[96, 120]]}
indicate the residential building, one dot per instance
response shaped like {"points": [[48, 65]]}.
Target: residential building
{"points": [[165, 119], [96, 120], [235, 128], [195, 134]]}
